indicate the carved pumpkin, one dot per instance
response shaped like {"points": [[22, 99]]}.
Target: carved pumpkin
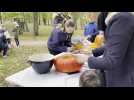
{"points": [[67, 64]]}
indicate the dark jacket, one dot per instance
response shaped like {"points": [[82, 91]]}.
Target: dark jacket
{"points": [[59, 41], [118, 53], [3, 40], [2, 36], [101, 21]]}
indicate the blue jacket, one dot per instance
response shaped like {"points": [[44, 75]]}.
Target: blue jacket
{"points": [[59, 41], [90, 29], [118, 52]]}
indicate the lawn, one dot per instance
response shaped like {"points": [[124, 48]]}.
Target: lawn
{"points": [[17, 61]]}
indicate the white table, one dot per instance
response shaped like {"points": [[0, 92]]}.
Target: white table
{"points": [[29, 78]]}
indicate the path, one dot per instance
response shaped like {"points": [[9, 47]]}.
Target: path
{"points": [[32, 43]]}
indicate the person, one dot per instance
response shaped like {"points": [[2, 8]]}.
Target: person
{"points": [[101, 22], [16, 33], [58, 19], [3, 42], [116, 57], [60, 40], [91, 78], [90, 31], [8, 38]]}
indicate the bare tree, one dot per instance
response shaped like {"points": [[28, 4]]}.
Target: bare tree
{"points": [[35, 23], [25, 23], [0, 17]]}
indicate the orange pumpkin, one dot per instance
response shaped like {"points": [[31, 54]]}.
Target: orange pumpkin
{"points": [[67, 64]]}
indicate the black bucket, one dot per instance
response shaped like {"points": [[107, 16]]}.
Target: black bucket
{"points": [[42, 67]]}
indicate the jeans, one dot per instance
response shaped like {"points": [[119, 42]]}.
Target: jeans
{"points": [[17, 41], [4, 48]]}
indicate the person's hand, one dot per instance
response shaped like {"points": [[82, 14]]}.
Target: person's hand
{"points": [[69, 49], [101, 32]]}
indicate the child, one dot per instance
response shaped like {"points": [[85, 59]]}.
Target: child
{"points": [[8, 37], [91, 78], [3, 42], [58, 19], [90, 31], [16, 35], [60, 40]]}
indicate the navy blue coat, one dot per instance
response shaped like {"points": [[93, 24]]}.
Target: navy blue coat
{"points": [[101, 21], [59, 41], [118, 52]]}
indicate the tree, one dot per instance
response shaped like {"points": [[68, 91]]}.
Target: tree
{"points": [[47, 18], [75, 16], [35, 23], [39, 18], [0, 18], [25, 23]]}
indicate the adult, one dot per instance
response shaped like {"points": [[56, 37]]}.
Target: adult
{"points": [[118, 52], [101, 22]]}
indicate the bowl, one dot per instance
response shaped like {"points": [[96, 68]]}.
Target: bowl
{"points": [[41, 63]]}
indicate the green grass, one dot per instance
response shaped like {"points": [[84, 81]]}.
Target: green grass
{"points": [[17, 61]]}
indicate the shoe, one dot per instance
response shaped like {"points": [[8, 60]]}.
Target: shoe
{"points": [[5, 56]]}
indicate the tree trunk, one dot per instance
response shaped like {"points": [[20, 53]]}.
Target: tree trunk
{"points": [[75, 17], [25, 23], [39, 18], [44, 20], [35, 22], [0, 17]]}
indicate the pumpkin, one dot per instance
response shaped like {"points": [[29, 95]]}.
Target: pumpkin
{"points": [[67, 64]]}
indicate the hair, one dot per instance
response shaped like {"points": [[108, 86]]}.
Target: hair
{"points": [[68, 23], [90, 78]]}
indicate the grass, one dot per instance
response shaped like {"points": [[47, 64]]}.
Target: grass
{"points": [[17, 61], [44, 32]]}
